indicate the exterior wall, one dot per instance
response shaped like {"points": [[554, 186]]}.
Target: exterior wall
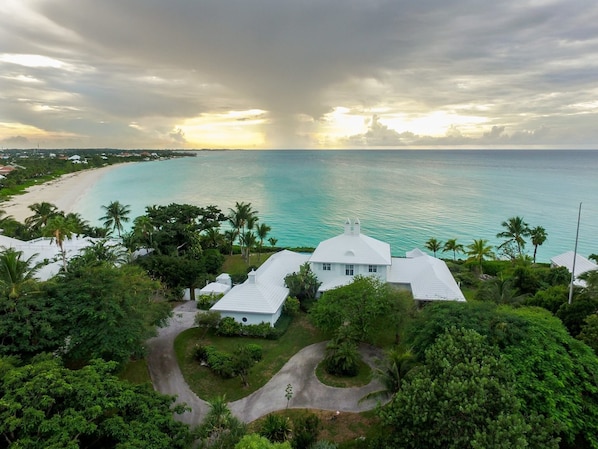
{"points": [[253, 318], [337, 270]]}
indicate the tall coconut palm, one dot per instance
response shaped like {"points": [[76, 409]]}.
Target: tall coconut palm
{"points": [[15, 272], [478, 251], [80, 225], [230, 235], [433, 245], [515, 231], [538, 236], [60, 229], [242, 218], [143, 230], [116, 215], [42, 212], [248, 241], [452, 245], [262, 232]]}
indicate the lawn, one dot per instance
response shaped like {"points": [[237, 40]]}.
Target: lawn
{"points": [[136, 372], [275, 354]]}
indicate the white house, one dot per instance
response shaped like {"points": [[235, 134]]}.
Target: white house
{"points": [[336, 262], [45, 250], [582, 265], [261, 297]]}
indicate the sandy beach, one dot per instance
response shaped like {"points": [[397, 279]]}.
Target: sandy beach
{"points": [[64, 192]]}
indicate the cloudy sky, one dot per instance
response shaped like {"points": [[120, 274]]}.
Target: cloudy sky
{"points": [[298, 73]]}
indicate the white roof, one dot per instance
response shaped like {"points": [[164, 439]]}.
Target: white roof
{"points": [[352, 248], [45, 250], [264, 290], [582, 265], [429, 277], [214, 288]]}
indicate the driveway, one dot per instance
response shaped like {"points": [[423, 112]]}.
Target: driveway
{"points": [[299, 372]]}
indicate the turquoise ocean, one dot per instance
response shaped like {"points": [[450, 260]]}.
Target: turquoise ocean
{"points": [[402, 197]]}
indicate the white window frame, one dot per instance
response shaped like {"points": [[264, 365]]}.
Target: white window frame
{"points": [[373, 268], [349, 269], [326, 267]]}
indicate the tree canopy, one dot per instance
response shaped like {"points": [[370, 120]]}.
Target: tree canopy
{"points": [[45, 405]]}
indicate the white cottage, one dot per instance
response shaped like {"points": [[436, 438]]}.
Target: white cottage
{"points": [[582, 265]]}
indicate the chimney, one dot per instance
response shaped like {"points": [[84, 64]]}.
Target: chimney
{"points": [[348, 227], [356, 227], [251, 277]]}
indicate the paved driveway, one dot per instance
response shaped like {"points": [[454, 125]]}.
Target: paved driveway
{"points": [[299, 371]]}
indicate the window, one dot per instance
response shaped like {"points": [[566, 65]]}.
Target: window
{"points": [[326, 267], [349, 270], [244, 319], [373, 268]]}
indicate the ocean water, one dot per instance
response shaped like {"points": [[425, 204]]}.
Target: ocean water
{"points": [[401, 197]]}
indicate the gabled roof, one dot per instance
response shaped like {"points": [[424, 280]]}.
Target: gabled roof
{"points": [[352, 247], [429, 277], [264, 290]]}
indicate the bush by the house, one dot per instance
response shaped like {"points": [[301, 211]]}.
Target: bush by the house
{"points": [[228, 327], [222, 363], [204, 302]]}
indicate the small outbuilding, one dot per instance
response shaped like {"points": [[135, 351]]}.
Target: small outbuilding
{"points": [[582, 265]]}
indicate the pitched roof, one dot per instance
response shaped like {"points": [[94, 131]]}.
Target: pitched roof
{"points": [[264, 290], [582, 265], [352, 247], [429, 277]]}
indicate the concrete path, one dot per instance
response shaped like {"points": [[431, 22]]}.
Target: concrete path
{"points": [[299, 371]]}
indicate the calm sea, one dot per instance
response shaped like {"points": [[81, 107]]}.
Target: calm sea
{"points": [[402, 197]]}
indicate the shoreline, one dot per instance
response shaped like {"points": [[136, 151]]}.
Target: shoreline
{"points": [[64, 192]]}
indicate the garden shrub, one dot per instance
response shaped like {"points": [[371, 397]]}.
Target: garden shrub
{"points": [[305, 431], [204, 302], [228, 327], [276, 428], [255, 351]]}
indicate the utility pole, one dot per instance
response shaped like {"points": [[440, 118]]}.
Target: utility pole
{"points": [[574, 256]]}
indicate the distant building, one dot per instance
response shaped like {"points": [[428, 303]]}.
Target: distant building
{"points": [[336, 262]]}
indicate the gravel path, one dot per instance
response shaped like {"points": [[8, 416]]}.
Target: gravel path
{"points": [[299, 371]]}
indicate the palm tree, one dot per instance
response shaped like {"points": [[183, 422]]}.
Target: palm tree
{"points": [[42, 212], [262, 232], [230, 235], [15, 272], [515, 231], [242, 218], [272, 241], [248, 241], [392, 372], [433, 245], [80, 226], [538, 236], [452, 245], [60, 229], [478, 251], [116, 215], [143, 229]]}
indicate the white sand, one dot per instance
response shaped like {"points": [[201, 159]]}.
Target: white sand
{"points": [[64, 192]]}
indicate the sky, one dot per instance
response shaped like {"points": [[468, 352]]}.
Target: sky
{"points": [[313, 74]]}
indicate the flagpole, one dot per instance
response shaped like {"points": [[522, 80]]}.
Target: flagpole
{"points": [[574, 256]]}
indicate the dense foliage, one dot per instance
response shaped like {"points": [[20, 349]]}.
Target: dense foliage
{"points": [[46, 405]]}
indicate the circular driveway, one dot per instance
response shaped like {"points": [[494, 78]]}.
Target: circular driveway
{"points": [[299, 371]]}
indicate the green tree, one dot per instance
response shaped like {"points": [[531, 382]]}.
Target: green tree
{"points": [[538, 236], [45, 405], [110, 311], [452, 245], [220, 429], [478, 251], [276, 428], [355, 307], [391, 371], [255, 441], [60, 229], [342, 358], [554, 374], [433, 245], [262, 231], [500, 291], [460, 398], [589, 332], [242, 218], [16, 273], [248, 241], [115, 215], [516, 229], [230, 235], [42, 212], [303, 285]]}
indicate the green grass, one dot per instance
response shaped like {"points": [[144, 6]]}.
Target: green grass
{"points": [[136, 372], [364, 376], [276, 353]]}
